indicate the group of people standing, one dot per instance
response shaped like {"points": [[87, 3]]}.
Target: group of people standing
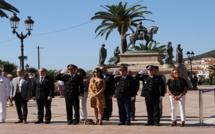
{"points": [[102, 88], [21, 89]]}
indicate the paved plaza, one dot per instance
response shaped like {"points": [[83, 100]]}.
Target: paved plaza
{"points": [[58, 124]]}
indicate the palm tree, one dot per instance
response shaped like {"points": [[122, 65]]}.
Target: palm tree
{"points": [[51, 73], [111, 61], [119, 17], [152, 47], [7, 7], [211, 70]]}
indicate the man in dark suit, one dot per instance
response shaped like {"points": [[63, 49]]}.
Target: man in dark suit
{"points": [[21, 92], [43, 94], [73, 90], [124, 93], [109, 91], [164, 80], [153, 88]]}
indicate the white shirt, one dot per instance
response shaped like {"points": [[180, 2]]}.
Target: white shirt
{"points": [[20, 83], [60, 83], [42, 78]]}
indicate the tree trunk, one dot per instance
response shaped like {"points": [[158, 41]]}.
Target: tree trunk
{"points": [[123, 43]]}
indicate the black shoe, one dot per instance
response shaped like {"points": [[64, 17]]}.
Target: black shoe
{"points": [[47, 122], [38, 122], [69, 122], [157, 124], [75, 123], [127, 124], [174, 123], [149, 124], [121, 123], [107, 119]]}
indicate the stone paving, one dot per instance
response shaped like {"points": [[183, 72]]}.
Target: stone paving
{"points": [[58, 123]]}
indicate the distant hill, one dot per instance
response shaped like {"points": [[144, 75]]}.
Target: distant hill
{"points": [[204, 55]]}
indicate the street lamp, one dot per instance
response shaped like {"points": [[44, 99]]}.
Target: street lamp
{"points": [[27, 66], [190, 56], [29, 23]]}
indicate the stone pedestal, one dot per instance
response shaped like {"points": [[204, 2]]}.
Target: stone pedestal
{"points": [[139, 58]]}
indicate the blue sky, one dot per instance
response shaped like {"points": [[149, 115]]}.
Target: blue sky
{"points": [[65, 32]]}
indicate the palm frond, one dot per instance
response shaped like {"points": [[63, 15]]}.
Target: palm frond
{"points": [[5, 6]]}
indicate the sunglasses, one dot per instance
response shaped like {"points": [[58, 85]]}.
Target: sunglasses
{"points": [[176, 72]]}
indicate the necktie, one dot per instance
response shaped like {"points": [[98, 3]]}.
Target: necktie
{"points": [[18, 85], [41, 79]]}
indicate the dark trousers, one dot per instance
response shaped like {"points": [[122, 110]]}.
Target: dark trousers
{"points": [[41, 103], [153, 110], [109, 108], [21, 106], [70, 104], [124, 110], [133, 108]]}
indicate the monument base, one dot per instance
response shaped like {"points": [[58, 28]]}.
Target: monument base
{"points": [[138, 60]]}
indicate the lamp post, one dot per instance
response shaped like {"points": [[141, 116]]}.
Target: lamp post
{"points": [[29, 23], [27, 66], [190, 56], [38, 48]]}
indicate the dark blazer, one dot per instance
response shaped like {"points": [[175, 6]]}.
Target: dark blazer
{"points": [[109, 90], [73, 87], [124, 88], [26, 87], [45, 89], [151, 86]]}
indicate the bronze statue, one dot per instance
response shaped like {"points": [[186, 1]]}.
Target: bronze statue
{"points": [[116, 55], [139, 29], [146, 35], [179, 54], [102, 54], [169, 55]]}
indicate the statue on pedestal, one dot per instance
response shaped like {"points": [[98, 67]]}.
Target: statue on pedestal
{"points": [[142, 34], [169, 55], [179, 54], [102, 54], [116, 55]]}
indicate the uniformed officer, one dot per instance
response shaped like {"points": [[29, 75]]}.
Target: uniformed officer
{"points": [[73, 90], [152, 93], [124, 94]]}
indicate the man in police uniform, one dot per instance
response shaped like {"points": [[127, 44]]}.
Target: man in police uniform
{"points": [[73, 90], [151, 91], [124, 93]]}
